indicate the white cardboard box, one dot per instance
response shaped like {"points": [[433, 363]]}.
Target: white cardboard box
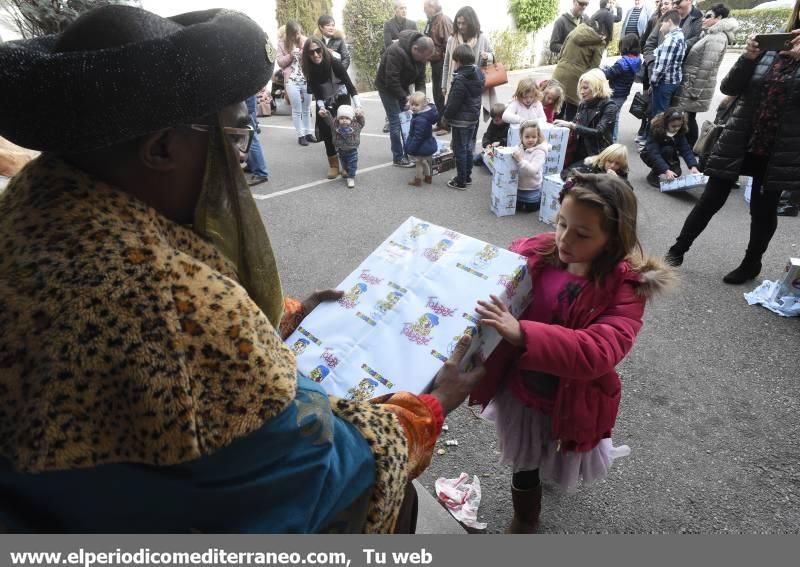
{"points": [[503, 205], [551, 188], [405, 308], [790, 284], [513, 140], [684, 182], [746, 183], [558, 138]]}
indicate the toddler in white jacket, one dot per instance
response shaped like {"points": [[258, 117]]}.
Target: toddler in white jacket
{"points": [[527, 103], [530, 157]]}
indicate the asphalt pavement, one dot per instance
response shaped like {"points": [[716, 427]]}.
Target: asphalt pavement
{"points": [[710, 391]]}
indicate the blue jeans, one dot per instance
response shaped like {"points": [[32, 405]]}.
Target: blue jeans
{"points": [[255, 157], [392, 107], [619, 101], [463, 144], [662, 98], [349, 159]]}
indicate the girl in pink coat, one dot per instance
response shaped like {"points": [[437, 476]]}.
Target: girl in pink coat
{"points": [[551, 386], [530, 157]]}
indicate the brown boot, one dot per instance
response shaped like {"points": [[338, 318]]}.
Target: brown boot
{"points": [[428, 179], [416, 182], [333, 167], [527, 505]]}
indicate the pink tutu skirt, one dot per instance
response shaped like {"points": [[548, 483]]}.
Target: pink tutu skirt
{"points": [[523, 434]]}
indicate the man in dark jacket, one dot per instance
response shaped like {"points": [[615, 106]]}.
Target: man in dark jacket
{"points": [[567, 22], [439, 29], [399, 23], [462, 112], [401, 64], [691, 24]]}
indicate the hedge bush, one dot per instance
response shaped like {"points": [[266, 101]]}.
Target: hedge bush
{"points": [[363, 24], [307, 12], [509, 48], [532, 15], [759, 21], [731, 4]]}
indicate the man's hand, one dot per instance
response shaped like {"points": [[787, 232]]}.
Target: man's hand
{"points": [[451, 387], [323, 112], [668, 175], [497, 316], [794, 52], [319, 296]]}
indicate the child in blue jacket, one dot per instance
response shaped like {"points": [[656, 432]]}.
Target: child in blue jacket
{"points": [[420, 144], [622, 74]]}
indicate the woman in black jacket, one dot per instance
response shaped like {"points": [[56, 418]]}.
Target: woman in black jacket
{"points": [[331, 86], [333, 39], [593, 128], [761, 139]]}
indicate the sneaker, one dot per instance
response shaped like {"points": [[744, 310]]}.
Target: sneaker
{"points": [[351, 183], [386, 127], [652, 179], [787, 210], [673, 258], [454, 183], [302, 141], [253, 180], [311, 139], [404, 162], [468, 181]]}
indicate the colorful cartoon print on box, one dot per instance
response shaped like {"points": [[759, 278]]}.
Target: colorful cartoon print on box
{"points": [[300, 346], [511, 283], [363, 391], [319, 373], [420, 331], [485, 256], [351, 298], [435, 254]]}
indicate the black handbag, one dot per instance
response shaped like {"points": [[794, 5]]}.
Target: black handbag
{"points": [[640, 106], [711, 131]]}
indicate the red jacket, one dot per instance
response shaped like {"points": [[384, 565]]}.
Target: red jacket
{"points": [[600, 330]]}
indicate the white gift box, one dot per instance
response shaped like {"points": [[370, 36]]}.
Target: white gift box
{"points": [[503, 205], [513, 140], [746, 183], [405, 123], [558, 138], [551, 189], [790, 284], [504, 160], [404, 310], [684, 182]]}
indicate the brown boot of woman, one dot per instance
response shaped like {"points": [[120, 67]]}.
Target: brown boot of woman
{"points": [[333, 167], [527, 505]]}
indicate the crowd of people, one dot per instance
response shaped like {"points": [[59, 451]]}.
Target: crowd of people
{"points": [[142, 365]]}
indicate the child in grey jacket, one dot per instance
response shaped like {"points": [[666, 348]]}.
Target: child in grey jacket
{"points": [[346, 130]]}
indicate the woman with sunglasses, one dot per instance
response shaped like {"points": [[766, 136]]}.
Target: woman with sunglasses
{"points": [[290, 55], [760, 140], [331, 86], [701, 65]]}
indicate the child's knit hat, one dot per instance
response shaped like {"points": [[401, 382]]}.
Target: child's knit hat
{"points": [[345, 111]]}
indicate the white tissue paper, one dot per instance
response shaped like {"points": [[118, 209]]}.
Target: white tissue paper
{"points": [[776, 296], [461, 499], [404, 310]]}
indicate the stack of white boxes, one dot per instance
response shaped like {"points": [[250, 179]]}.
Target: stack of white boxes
{"points": [[504, 182], [556, 136], [551, 188]]}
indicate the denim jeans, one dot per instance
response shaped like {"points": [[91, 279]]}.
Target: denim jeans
{"points": [[392, 107], [662, 98], [463, 144], [255, 157], [301, 108], [349, 160], [619, 101]]}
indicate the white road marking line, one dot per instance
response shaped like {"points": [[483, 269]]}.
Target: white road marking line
{"points": [[262, 197], [292, 128]]}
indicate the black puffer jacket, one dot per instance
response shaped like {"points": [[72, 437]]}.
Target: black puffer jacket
{"points": [[746, 80], [398, 69], [463, 106], [594, 127], [337, 46]]}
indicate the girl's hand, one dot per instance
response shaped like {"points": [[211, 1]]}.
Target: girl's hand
{"points": [[669, 175], [794, 52], [751, 50], [695, 170], [611, 172], [497, 316], [516, 155]]}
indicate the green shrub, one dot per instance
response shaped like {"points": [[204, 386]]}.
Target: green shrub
{"points": [[731, 4], [509, 48], [532, 15], [613, 45], [759, 21], [363, 24], [307, 12]]}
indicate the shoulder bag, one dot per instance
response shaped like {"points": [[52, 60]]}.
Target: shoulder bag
{"points": [[495, 75], [711, 131]]}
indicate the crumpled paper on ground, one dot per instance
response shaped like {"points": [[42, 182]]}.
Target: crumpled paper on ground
{"points": [[461, 499], [788, 306]]}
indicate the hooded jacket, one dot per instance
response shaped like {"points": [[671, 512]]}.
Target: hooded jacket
{"points": [[622, 74], [337, 46], [531, 167], [657, 148], [420, 140], [582, 50], [701, 65], [463, 106], [746, 80], [398, 69], [599, 332]]}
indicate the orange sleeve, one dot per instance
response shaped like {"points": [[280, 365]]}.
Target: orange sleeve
{"points": [[293, 313], [422, 418]]}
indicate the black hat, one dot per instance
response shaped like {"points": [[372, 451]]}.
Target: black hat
{"points": [[119, 72]]}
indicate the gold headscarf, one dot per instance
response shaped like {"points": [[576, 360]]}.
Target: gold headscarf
{"points": [[226, 214]]}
